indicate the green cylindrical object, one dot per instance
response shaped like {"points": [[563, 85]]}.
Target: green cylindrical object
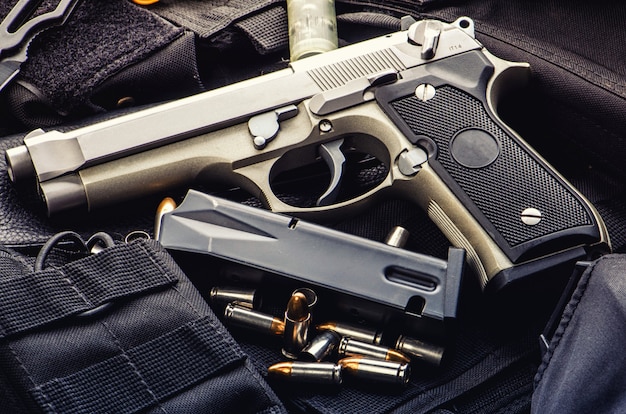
{"points": [[312, 27]]}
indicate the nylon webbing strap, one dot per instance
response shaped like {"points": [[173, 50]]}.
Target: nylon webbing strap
{"points": [[267, 31], [34, 299], [144, 375]]}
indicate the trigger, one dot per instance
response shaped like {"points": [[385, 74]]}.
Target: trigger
{"points": [[331, 153]]}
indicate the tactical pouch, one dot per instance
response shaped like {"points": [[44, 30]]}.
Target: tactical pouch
{"points": [[107, 55], [583, 367], [119, 331]]}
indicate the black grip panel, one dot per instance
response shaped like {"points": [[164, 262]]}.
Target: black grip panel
{"points": [[497, 175]]}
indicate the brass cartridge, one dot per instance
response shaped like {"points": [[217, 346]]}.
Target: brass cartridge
{"points": [[376, 371], [321, 347], [311, 372], [222, 296], [247, 318], [352, 331], [351, 347], [297, 322], [420, 351]]}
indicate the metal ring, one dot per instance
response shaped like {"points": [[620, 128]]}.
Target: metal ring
{"points": [[136, 235]]}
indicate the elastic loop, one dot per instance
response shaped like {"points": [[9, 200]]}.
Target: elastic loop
{"points": [[51, 244], [95, 244]]}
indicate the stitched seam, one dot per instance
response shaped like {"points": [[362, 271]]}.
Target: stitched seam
{"points": [[133, 366], [116, 341], [597, 125], [589, 122], [217, 328], [17, 257], [187, 301], [36, 388], [567, 318], [185, 16], [71, 283], [255, 374], [158, 261], [218, 21]]}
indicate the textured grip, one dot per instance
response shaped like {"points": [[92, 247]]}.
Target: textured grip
{"points": [[513, 181]]}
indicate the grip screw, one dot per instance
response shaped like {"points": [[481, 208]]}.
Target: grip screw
{"points": [[424, 92], [531, 216]]}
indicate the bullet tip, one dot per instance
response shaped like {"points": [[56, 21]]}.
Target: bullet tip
{"points": [[281, 369], [393, 355], [167, 205], [297, 307], [326, 326]]}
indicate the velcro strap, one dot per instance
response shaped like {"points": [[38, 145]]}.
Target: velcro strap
{"points": [[32, 300], [99, 39], [144, 375]]}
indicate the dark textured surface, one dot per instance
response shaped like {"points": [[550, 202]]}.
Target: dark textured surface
{"points": [[126, 34], [208, 17], [67, 74], [583, 343], [158, 348]]}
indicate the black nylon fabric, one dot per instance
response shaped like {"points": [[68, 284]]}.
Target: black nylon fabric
{"points": [[169, 73], [578, 72], [39, 298], [67, 65], [160, 348], [209, 17], [266, 30], [585, 346], [199, 354], [510, 391]]}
